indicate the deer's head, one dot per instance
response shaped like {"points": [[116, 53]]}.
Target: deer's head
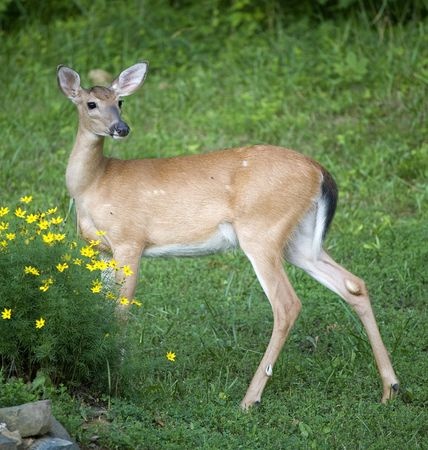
{"points": [[100, 107]]}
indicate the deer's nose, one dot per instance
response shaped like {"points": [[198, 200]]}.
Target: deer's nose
{"points": [[120, 128]]}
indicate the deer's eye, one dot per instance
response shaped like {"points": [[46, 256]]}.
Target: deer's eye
{"points": [[92, 105], [120, 103]]}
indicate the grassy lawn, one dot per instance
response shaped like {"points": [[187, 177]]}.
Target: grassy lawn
{"points": [[350, 94]]}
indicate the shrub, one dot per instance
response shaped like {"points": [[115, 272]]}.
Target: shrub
{"points": [[14, 392], [56, 311]]}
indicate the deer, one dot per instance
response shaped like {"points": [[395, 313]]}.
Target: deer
{"points": [[272, 203]]}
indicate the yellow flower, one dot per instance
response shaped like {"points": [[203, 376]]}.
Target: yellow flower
{"points": [[31, 218], [136, 302], [87, 251], [73, 245], [62, 267], [91, 267], [93, 243], [170, 356], [113, 264], [77, 261], [3, 210], [26, 199], [59, 237], [4, 226], [10, 236], [40, 323], [127, 271], [110, 296], [52, 210], [124, 301], [46, 284], [3, 244], [57, 220], [19, 212], [48, 238], [101, 264], [100, 233], [43, 224], [6, 314], [96, 286], [30, 270]]}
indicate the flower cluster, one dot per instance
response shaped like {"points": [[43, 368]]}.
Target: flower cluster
{"points": [[22, 225]]}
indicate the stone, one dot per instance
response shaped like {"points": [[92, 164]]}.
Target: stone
{"points": [[6, 443], [50, 443], [58, 431], [30, 419], [12, 435], [27, 443]]}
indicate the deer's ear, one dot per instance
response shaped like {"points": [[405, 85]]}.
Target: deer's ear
{"points": [[68, 82], [130, 79]]}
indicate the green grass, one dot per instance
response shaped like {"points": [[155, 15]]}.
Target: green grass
{"points": [[351, 95]]}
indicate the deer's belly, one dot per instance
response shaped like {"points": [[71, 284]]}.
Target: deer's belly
{"points": [[223, 239]]}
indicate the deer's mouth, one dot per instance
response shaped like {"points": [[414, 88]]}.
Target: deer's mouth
{"points": [[119, 130], [118, 136]]}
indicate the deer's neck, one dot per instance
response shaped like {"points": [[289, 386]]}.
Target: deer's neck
{"points": [[86, 163]]}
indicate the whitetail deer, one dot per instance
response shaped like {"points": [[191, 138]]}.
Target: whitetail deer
{"points": [[270, 201]]}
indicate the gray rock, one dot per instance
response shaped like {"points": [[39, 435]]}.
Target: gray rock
{"points": [[12, 435], [30, 419], [50, 443], [58, 431], [6, 443], [26, 443]]}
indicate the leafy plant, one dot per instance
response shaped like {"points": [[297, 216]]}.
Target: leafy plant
{"points": [[57, 314], [14, 391]]}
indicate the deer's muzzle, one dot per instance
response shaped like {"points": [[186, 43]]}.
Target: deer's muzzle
{"points": [[119, 130]]}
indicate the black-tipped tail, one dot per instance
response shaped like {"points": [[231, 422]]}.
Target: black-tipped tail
{"points": [[329, 194]]}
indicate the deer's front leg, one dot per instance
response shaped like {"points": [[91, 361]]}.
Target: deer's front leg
{"points": [[128, 259]]}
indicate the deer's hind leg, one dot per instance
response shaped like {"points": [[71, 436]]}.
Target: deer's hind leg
{"points": [[352, 289]]}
